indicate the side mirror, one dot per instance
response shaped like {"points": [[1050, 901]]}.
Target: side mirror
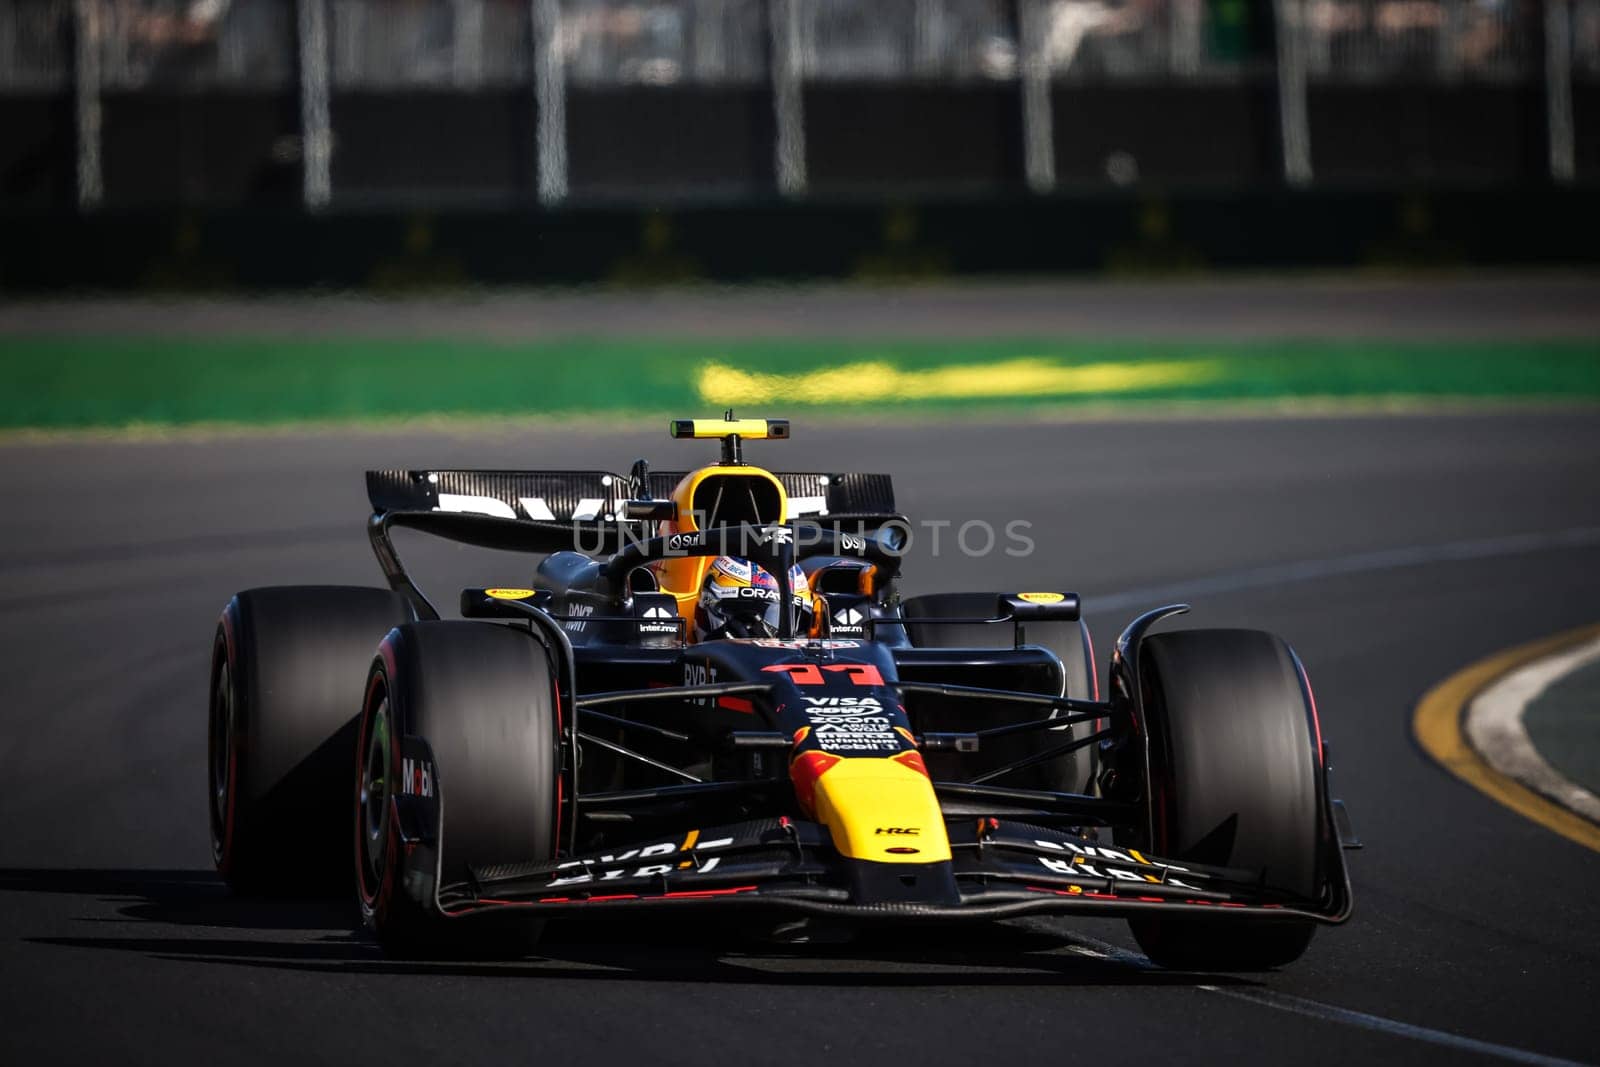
{"points": [[502, 603], [1024, 607]]}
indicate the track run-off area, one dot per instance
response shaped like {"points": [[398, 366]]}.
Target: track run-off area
{"points": [[1391, 550]]}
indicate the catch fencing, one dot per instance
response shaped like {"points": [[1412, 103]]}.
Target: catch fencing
{"points": [[358, 103]]}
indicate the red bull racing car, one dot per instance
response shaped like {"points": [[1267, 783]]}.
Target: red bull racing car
{"points": [[711, 694]]}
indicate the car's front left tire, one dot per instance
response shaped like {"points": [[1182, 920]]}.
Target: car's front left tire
{"points": [[1236, 781], [482, 698]]}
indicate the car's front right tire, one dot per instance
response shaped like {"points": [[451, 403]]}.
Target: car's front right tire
{"points": [[287, 666]]}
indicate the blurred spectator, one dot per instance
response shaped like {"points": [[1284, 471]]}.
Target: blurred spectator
{"points": [[1586, 36], [1152, 37], [196, 42], [192, 23], [1376, 37]]}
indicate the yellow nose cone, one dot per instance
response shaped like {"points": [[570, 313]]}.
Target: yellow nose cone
{"points": [[882, 810]]}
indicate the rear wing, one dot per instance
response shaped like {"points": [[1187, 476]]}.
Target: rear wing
{"points": [[542, 512], [570, 499]]}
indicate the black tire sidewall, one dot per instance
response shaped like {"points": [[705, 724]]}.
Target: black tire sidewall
{"points": [[1235, 780], [1232, 736], [294, 655], [454, 685]]}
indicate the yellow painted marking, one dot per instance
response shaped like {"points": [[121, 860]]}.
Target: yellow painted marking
{"points": [[1042, 598], [1136, 854], [871, 382], [688, 842], [1437, 725], [509, 594]]}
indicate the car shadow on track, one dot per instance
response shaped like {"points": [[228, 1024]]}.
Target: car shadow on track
{"points": [[190, 916]]}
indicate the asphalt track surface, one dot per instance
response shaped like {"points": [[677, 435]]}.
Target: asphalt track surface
{"points": [[1389, 550], [1477, 307]]}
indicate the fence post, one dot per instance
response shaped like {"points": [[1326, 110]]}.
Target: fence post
{"points": [[1558, 89], [316, 124], [1293, 122], [466, 59], [1038, 121], [788, 101], [550, 92], [86, 95]]}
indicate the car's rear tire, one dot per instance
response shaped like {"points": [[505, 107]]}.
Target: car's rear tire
{"points": [[482, 697], [1236, 781], [1071, 644], [287, 668]]}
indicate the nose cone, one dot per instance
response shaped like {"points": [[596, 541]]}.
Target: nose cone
{"points": [[882, 810]]}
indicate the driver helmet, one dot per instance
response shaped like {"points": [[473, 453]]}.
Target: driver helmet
{"points": [[740, 599]]}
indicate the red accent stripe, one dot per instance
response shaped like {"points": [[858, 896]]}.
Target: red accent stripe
{"points": [[1316, 720], [561, 799], [912, 760], [1094, 673], [683, 894], [736, 704], [804, 771]]}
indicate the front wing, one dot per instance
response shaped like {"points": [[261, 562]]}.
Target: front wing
{"points": [[998, 870]]}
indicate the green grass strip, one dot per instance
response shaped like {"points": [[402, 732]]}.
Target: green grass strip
{"points": [[91, 382]]}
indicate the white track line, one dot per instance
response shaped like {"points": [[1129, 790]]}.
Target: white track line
{"points": [[1327, 1012], [1494, 727], [1312, 570], [1313, 1009], [1359, 563]]}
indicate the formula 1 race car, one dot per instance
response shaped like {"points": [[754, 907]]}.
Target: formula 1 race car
{"points": [[589, 744]]}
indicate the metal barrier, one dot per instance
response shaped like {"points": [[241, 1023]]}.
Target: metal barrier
{"points": [[1036, 49]]}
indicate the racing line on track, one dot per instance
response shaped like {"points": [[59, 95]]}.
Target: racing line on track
{"points": [[1312, 570], [1358, 563], [1313, 1009]]}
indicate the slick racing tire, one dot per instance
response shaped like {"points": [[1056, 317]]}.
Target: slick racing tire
{"points": [[287, 667], [1071, 644], [471, 710], [1236, 781]]}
